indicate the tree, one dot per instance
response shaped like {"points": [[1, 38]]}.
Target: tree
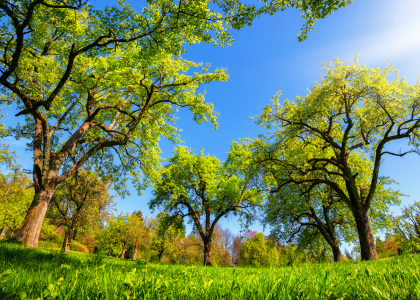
{"points": [[141, 232], [336, 136], [16, 190], [124, 231], [94, 84], [113, 238], [236, 251], [258, 252], [80, 202], [168, 231], [348, 255], [407, 227], [16, 193], [298, 217], [205, 189]]}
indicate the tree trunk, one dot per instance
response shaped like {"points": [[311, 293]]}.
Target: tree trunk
{"points": [[68, 235], [160, 254], [3, 232], [367, 244], [123, 251], [31, 227], [207, 253], [338, 257], [135, 252]]}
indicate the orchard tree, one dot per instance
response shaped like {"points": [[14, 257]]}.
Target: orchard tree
{"points": [[16, 193], [80, 202], [337, 134], [16, 190], [205, 189], [141, 232], [127, 230], [257, 251], [116, 235], [93, 84], [407, 227], [292, 214], [168, 231]]}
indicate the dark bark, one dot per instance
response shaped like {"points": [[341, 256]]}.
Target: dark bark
{"points": [[329, 237], [207, 253], [367, 243], [31, 227], [338, 257], [68, 235]]}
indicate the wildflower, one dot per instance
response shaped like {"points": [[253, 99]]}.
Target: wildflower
{"points": [[60, 280], [160, 276], [123, 267], [144, 271]]}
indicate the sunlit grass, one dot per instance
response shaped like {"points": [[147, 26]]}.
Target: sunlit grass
{"points": [[45, 274]]}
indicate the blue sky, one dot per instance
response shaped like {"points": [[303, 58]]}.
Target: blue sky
{"points": [[267, 56]]}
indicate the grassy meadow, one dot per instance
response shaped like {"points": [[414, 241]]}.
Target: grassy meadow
{"points": [[47, 274]]}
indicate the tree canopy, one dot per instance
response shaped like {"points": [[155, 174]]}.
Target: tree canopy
{"points": [[336, 136], [205, 189]]}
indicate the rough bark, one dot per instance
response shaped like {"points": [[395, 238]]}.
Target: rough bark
{"points": [[68, 235], [333, 244], [31, 227], [367, 243], [207, 253], [338, 257], [71, 231]]}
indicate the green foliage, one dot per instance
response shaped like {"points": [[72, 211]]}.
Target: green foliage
{"points": [[204, 189], [407, 227], [16, 194], [199, 184], [39, 273], [81, 202], [335, 136], [124, 231], [258, 252], [112, 80]]}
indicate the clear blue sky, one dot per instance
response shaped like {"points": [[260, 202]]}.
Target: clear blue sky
{"points": [[267, 56]]}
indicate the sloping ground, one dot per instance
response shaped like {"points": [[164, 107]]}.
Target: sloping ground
{"points": [[45, 274]]}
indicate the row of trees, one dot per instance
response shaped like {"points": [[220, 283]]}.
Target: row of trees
{"points": [[84, 214], [96, 85], [317, 170]]}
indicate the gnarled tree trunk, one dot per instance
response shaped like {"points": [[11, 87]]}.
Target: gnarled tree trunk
{"points": [[207, 253], [338, 257], [367, 243], [31, 227], [68, 235]]}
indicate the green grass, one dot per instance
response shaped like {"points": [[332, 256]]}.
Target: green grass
{"points": [[36, 274]]}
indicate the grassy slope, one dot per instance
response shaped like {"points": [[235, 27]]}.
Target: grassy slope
{"points": [[44, 274]]}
